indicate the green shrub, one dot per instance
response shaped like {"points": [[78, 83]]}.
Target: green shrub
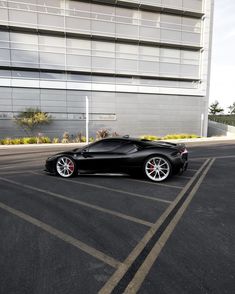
{"points": [[179, 136], [6, 141], [44, 140], [91, 139], [55, 140], [29, 140], [150, 137], [31, 118], [16, 141], [168, 137]]}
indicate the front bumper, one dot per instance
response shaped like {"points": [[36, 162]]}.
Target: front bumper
{"points": [[50, 167]]}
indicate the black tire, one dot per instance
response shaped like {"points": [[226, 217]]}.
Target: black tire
{"points": [[157, 168], [66, 167]]}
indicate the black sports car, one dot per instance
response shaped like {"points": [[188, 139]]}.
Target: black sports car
{"points": [[155, 160]]}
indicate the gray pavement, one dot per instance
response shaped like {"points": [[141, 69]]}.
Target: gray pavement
{"points": [[110, 234]]}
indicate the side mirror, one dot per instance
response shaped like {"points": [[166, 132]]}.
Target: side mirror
{"points": [[84, 152]]}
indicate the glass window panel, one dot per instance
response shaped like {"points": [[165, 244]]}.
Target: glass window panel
{"points": [[173, 3], [120, 80], [52, 44], [79, 9], [128, 16], [5, 74], [149, 53], [76, 46], [126, 65], [23, 56], [171, 21], [4, 14], [51, 6], [3, 4], [103, 79], [51, 59], [52, 76], [169, 69], [51, 21], [170, 55], [79, 61], [4, 39], [80, 78], [102, 12], [172, 36], [189, 70], [24, 17], [127, 30], [150, 19], [190, 57], [193, 5], [25, 74], [103, 27], [103, 63], [193, 38], [148, 67], [78, 25], [191, 24], [127, 49], [24, 41], [103, 49], [148, 33]]}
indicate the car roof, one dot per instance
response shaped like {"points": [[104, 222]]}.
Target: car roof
{"points": [[125, 138], [143, 142]]}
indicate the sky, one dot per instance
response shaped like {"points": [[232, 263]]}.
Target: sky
{"points": [[222, 87]]}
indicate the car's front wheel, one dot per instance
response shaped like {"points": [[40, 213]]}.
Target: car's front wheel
{"points": [[66, 167], [157, 168]]}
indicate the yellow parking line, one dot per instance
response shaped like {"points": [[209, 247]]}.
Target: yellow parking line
{"points": [[61, 235], [144, 269], [82, 203], [156, 184], [123, 268], [112, 189]]}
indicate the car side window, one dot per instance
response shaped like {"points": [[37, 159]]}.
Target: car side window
{"points": [[104, 146], [128, 148]]}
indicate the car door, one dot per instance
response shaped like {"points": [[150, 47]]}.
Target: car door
{"points": [[103, 156]]}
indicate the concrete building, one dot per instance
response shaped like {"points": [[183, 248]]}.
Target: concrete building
{"points": [[143, 64]]}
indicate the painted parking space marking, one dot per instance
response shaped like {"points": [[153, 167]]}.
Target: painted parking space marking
{"points": [[82, 203], [63, 236], [156, 184], [191, 169], [183, 177], [145, 267], [111, 189], [126, 265]]}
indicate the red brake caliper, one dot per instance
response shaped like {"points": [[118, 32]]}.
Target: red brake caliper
{"points": [[152, 166], [71, 166]]}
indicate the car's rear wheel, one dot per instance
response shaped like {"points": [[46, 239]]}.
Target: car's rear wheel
{"points": [[66, 167], [157, 168]]}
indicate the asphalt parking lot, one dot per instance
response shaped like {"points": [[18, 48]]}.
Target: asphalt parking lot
{"points": [[116, 234]]}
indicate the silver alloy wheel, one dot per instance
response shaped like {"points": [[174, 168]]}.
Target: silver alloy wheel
{"points": [[157, 169], [65, 167]]}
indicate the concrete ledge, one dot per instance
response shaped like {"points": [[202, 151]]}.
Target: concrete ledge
{"points": [[219, 129]]}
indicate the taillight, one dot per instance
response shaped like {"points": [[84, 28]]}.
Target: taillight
{"points": [[183, 151]]}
